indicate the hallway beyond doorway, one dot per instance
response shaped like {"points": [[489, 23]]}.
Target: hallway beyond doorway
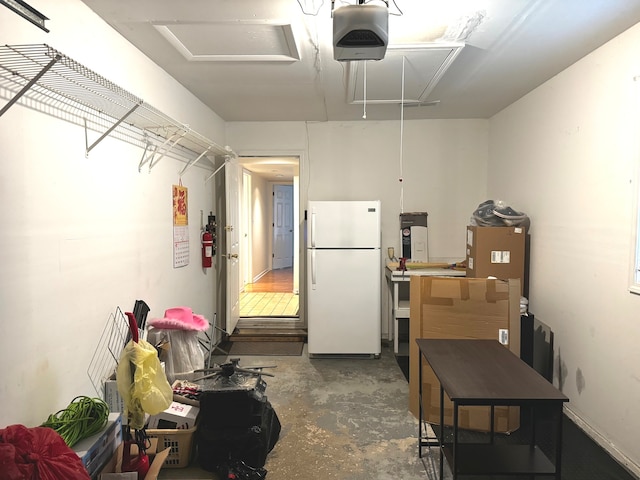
{"points": [[268, 304], [271, 296]]}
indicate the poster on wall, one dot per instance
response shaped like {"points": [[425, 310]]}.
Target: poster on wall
{"points": [[180, 226]]}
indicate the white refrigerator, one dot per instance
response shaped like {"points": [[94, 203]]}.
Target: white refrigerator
{"points": [[343, 278]]}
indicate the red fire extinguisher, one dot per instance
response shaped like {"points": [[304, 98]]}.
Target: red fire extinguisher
{"points": [[207, 249]]}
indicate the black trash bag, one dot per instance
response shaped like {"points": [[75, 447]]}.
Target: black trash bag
{"points": [[238, 470], [485, 217], [218, 447]]}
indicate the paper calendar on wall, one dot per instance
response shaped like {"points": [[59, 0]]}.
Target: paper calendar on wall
{"points": [[180, 226]]}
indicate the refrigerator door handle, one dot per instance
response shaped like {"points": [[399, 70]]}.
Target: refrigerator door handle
{"points": [[313, 269], [312, 236]]}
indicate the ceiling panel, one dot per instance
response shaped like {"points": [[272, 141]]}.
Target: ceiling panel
{"points": [[231, 41], [418, 67], [258, 60]]}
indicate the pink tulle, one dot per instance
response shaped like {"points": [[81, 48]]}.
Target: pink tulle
{"points": [[180, 318]]}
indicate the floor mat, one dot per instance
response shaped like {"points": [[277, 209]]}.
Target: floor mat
{"points": [[264, 348]]}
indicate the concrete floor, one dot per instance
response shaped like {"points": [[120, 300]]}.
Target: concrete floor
{"points": [[341, 419]]}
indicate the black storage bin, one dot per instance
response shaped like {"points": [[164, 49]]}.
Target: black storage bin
{"points": [[237, 423]]}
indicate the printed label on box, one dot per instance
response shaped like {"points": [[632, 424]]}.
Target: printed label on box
{"points": [[499, 256]]}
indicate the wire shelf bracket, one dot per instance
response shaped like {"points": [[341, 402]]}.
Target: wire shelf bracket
{"points": [[151, 158], [226, 161], [193, 162], [107, 133], [39, 76], [29, 84]]}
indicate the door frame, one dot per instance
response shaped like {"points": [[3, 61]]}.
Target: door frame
{"points": [[232, 181], [300, 199], [245, 233]]}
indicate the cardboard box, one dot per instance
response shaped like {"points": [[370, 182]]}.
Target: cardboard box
{"points": [[177, 416], [114, 465], [450, 307], [496, 252], [112, 397], [96, 450]]}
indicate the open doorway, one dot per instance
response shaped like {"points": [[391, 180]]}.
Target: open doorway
{"points": [[269, 242]]}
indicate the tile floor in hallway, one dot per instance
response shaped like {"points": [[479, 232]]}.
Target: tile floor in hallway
{"points": [[268, 304]]}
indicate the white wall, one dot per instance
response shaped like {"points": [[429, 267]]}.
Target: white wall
{"points": [[443, 168], [443, 171], [80, 236], [260, 215], [83, 236], [567, 154]]}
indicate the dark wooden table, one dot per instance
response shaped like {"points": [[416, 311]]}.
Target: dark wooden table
{"points": [[484, 372]]}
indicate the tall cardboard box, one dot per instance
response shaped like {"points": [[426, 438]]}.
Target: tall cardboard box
{"points": [[497, 252], [450, 307]]}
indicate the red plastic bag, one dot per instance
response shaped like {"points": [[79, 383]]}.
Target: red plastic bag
{"points": [[37, 453]]}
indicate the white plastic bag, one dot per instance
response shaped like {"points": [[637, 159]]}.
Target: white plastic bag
{"points": [[184, 353]]}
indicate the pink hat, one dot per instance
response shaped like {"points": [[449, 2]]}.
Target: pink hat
{"points": [[180, 318]]}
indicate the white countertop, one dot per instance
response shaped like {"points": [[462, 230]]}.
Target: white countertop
{"points": [[426, 272]]}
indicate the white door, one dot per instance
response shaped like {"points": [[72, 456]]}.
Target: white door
{"points": [[282, 226], [232, 236]]}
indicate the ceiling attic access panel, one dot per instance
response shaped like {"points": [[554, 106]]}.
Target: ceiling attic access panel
{"points": [[423, 69], [237, 41]]}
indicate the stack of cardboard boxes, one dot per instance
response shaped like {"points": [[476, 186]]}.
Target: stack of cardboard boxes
{"points": [[484, 305], [474, 308]]}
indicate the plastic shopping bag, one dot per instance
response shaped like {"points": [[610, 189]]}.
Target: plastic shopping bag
{"points": [[37, 453], [142, 383]]}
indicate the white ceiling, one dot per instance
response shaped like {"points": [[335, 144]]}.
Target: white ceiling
{"points": [[272, 60], [273, 169]]}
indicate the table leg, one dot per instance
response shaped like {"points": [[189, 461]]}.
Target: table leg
{"points": [[493, 419], [532, 421], [558, 458], [441, 442], [420, 415], [455, 441]]}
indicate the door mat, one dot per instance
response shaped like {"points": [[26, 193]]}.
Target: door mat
{"points": [[265, 348]]}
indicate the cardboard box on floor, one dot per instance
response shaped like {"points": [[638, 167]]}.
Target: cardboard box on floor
{"points": [[114, 466], [461, 308]]}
